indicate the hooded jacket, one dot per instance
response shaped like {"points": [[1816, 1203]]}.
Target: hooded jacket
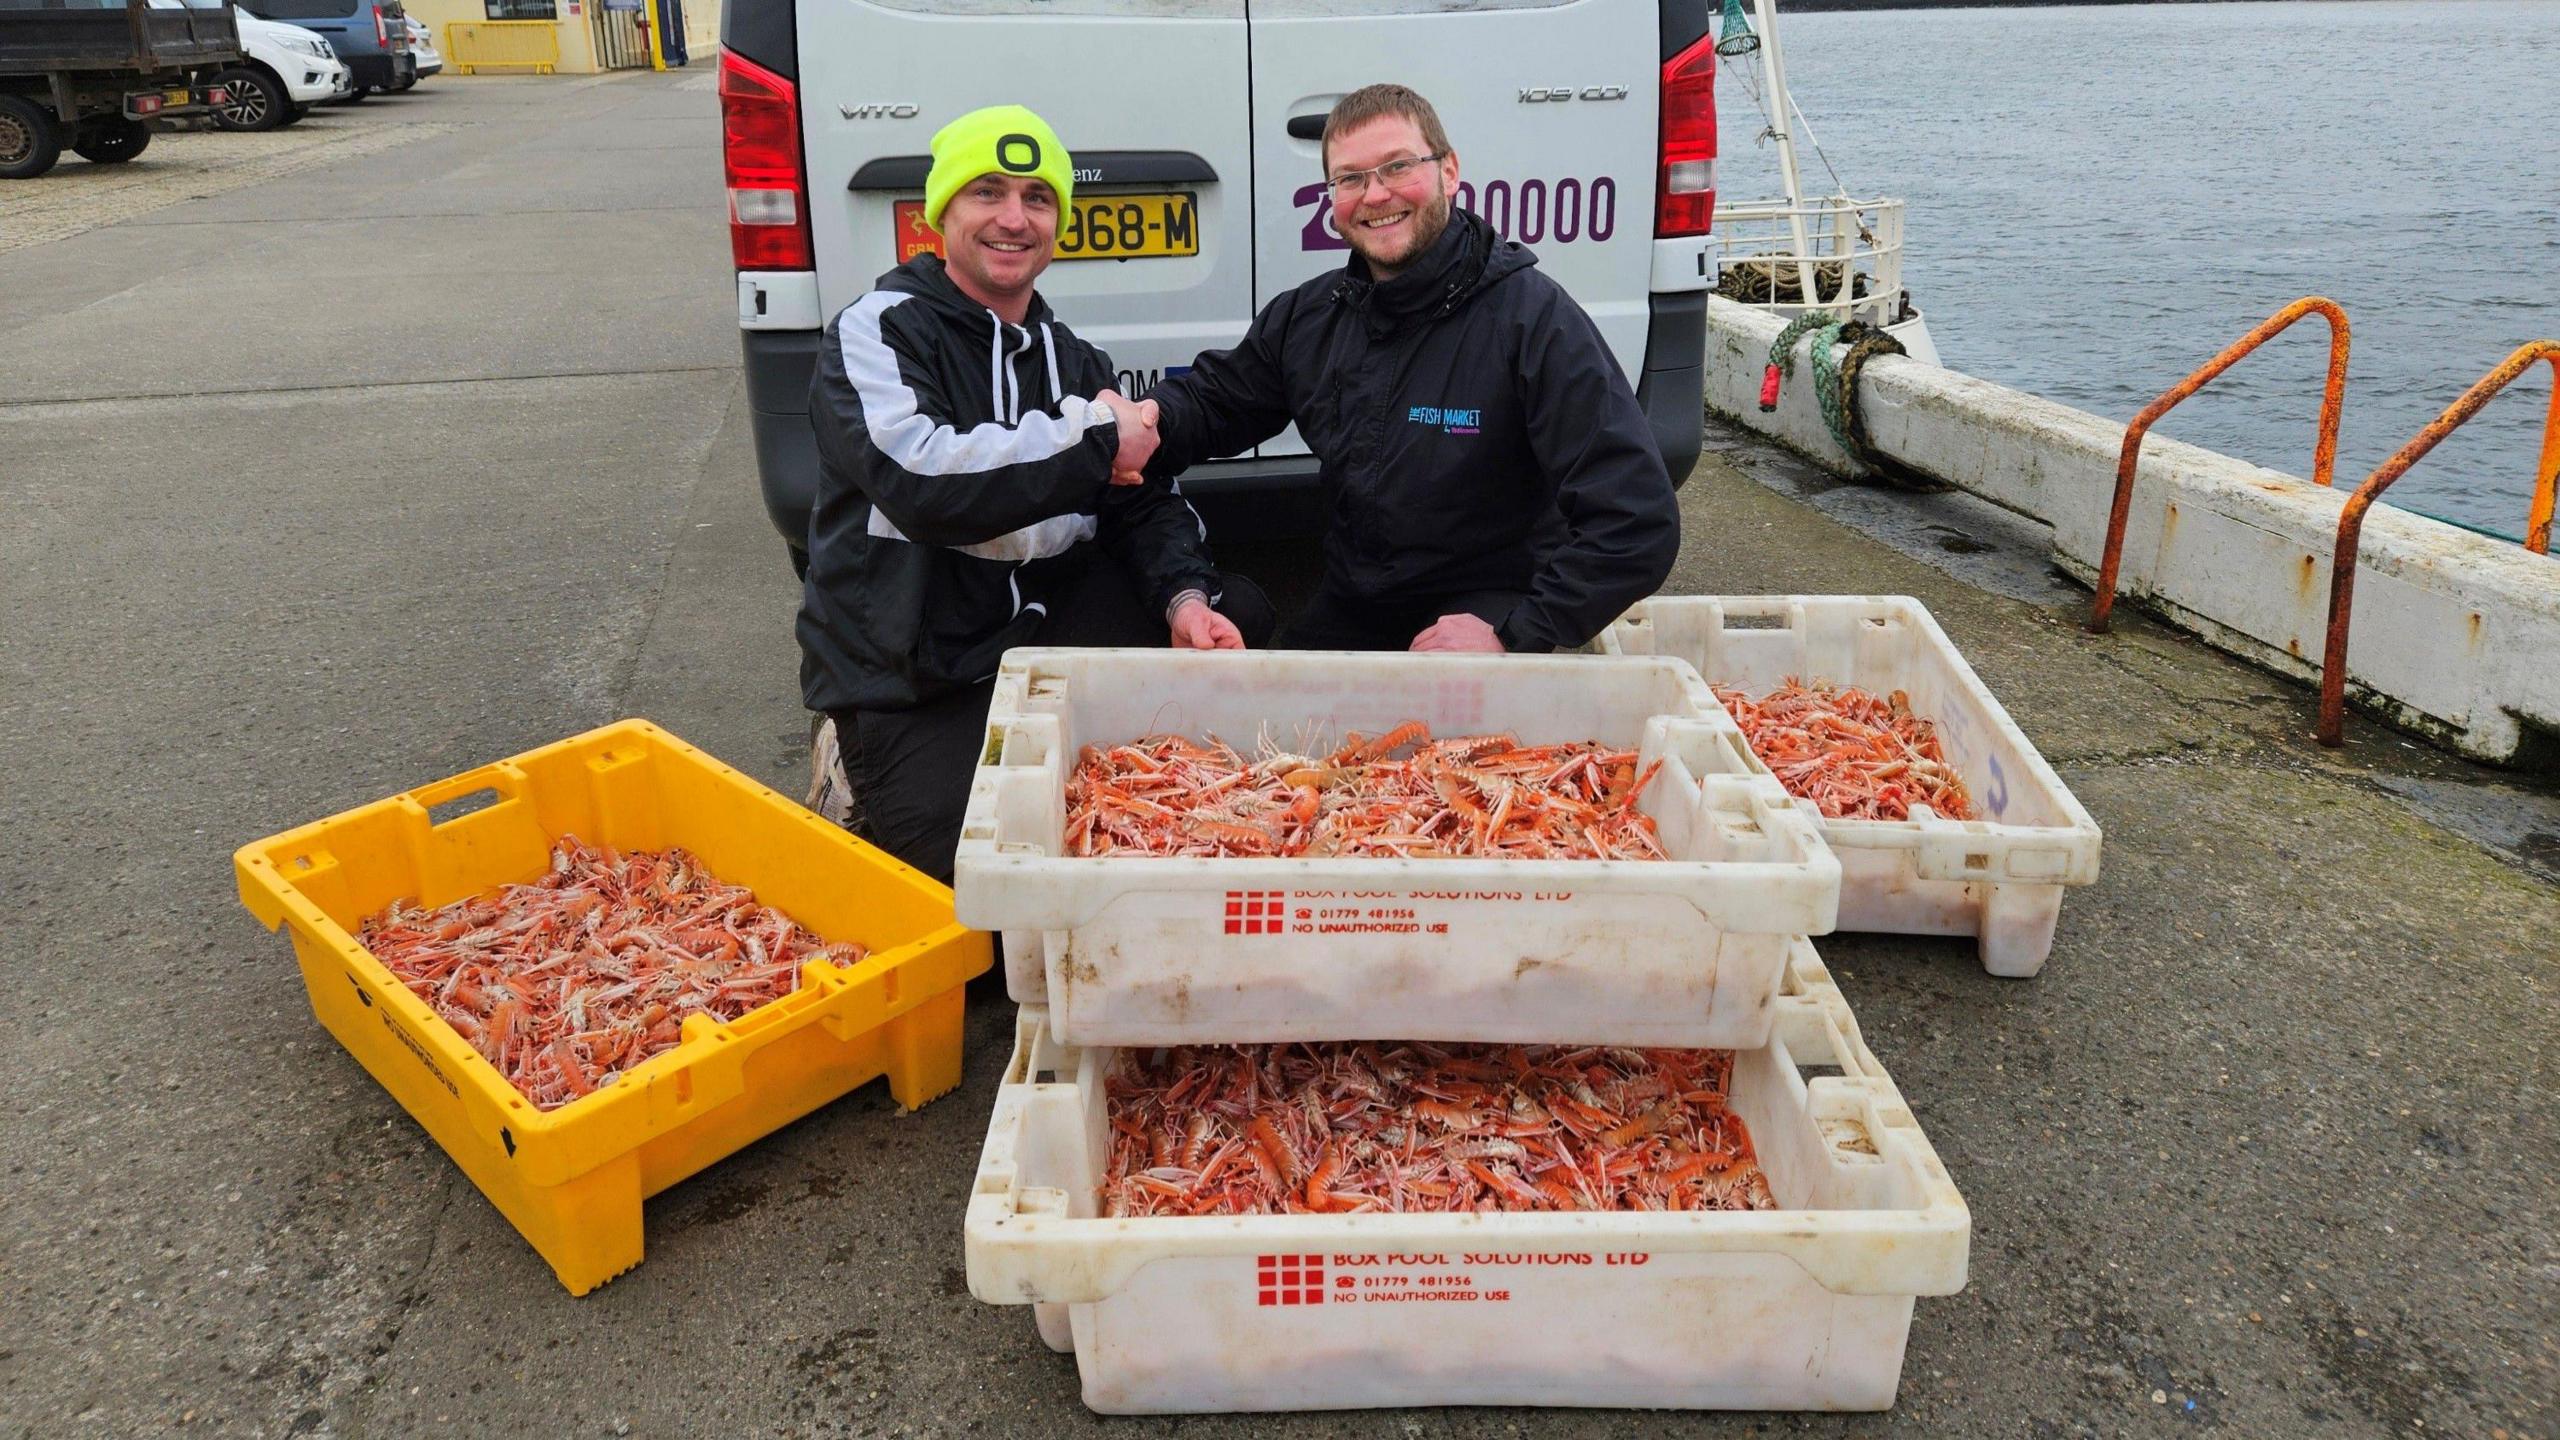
{"points": [[1459, 411], [963, 467]]}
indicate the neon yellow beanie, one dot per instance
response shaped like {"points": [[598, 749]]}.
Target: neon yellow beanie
{"points": [[998, 140]]}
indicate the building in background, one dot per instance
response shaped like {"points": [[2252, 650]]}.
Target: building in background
{"points": [[568, 37]]}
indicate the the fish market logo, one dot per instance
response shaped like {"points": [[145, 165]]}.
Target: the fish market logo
{"points": [[1451, 422]]}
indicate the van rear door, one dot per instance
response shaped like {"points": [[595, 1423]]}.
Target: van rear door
{"points": [[1156, 263], [1553, 110]]}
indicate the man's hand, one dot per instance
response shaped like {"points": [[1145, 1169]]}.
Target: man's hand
{"points": [[1463, 633], [1138, 438], [1198, 627]]}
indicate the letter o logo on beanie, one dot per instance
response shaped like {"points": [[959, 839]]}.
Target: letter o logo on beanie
{"points": [[1018, 153]]}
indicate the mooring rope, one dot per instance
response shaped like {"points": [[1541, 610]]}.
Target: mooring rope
{"points": [[1835, 377]]}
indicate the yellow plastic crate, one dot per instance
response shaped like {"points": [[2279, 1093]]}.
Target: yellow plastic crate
{"points": [[572, 1179]]}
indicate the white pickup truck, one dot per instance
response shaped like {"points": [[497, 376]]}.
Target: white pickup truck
{"points": [[1586, 130], [284, 70]]}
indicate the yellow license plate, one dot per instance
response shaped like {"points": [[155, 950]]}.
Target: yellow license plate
{"points": [[1130, 227], [178, 96]]}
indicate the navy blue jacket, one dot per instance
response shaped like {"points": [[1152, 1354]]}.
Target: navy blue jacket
{"points": [[1473, 429]]}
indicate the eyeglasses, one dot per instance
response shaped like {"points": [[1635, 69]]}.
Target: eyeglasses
{"points": [[1394, 173]]}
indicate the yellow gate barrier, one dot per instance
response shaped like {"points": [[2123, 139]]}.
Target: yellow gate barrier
{"points": [[517, 44]]}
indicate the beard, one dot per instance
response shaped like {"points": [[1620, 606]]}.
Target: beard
{"points": [[1430, 219]]}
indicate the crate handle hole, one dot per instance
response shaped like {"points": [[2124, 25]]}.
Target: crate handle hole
{"points": [[461, 805], [301, 862], [1755, 622], [1977, 862]]}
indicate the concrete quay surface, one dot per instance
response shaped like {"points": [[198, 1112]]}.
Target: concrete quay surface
{"points": [[2267, 1150]]}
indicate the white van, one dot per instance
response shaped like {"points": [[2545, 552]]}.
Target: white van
{"points": [[1585, 130]]}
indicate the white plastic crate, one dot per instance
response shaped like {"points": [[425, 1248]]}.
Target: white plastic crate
{"points": [[1153, 951], [1999, 878], [1802, 1308]]}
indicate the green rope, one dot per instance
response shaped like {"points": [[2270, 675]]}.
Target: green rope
{"points": [[1733, 32], [1835, 377], [1782, 351]]}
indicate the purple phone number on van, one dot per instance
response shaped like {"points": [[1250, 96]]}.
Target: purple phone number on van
{"points": [[1536, 211]]}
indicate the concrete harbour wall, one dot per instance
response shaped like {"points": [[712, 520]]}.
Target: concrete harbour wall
{"points": [[2456, 635]]}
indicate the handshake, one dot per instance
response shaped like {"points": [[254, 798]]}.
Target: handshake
{"points": [[1138, 438]]}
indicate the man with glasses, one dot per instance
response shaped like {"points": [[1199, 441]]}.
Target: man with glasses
{"points": [[1490, 481]]}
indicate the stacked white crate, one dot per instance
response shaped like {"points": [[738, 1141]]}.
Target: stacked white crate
{"points": [[1707, 948], [1685, 951]]}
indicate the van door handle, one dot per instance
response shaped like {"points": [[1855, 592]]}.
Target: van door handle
{"points": [[1093, 167], [1306, 127]]}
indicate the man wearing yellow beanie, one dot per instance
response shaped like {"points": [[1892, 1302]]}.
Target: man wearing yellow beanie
{"points": [[998, 140], [967, 447]]}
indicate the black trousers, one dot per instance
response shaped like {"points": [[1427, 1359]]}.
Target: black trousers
{"points": [[1335, 621], [911, 768]]}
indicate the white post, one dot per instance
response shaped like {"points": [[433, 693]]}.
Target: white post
{"points": [[1774, 72]]}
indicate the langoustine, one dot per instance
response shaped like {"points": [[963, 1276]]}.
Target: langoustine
{"points": [[1486, 796], [1351, 1127], [565, 983], [1854, 754]]}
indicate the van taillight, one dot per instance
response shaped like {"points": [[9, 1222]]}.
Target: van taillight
{"points": [[381, 28], [1685, 190], [760, 150]]}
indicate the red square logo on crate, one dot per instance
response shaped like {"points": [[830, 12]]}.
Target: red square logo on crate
{"points": [[1254, 912], [1289, 1280]]}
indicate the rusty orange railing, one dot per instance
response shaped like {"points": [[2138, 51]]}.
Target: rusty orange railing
{"points": [[2324, 455], [2342, 566]]}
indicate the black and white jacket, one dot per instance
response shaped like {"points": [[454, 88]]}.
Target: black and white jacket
{"points": [[963, 464]]}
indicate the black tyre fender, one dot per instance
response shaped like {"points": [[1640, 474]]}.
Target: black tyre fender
{"points": [[356, 96], [30, 138], [292, 115], [111, 140], [258, 99]]}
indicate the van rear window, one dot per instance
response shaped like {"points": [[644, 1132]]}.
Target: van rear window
{"points": [[302, 9]]}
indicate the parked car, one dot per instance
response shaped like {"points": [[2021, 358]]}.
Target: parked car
{"points": [[372, 36], [1587, 128], [90, 79], [284, 70], [422, 49]]}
